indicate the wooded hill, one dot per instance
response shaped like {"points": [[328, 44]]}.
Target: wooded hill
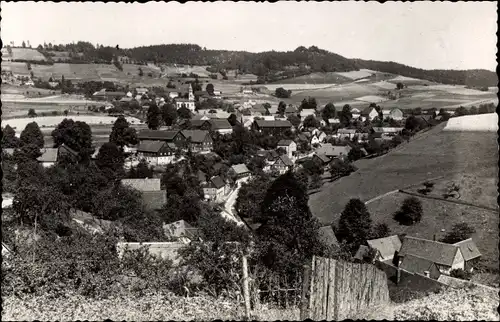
{"points": [[267, 65]]}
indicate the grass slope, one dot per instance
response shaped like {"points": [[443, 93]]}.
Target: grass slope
{"points": [[431, 154]]}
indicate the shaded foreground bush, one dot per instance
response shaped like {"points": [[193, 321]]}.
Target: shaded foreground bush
{"points": [[84, 265]]}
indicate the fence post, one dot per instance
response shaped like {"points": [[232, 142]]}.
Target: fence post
{"points": [[246, 293], [304, 297]]}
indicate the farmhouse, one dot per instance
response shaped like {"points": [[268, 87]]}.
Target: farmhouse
{"points": [[183, 102], [385, 247], [271, 127], [197, 140], [470, 253], [289, 146], [416, 264], [152, 196], [396, 114], [388, 131], [445, 256], [157, 135], [156, 152], [240, 171], [291, 110], [221, 126]]}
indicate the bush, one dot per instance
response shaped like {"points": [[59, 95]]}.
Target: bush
{"points": [[410, 212], [458, 233], [282, 93], [461, 274]]}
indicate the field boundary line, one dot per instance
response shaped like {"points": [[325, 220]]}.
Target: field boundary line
{"points": [[382, 196], [448, 200]]}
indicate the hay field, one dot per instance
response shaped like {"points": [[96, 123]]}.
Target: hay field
{"points": [[172, 70], [482, 122], [428, 155], [317, 78], [357, 74], [27, 54], [51, 121], [16, 68], [372, 99], [297, 87], [344, 92]]}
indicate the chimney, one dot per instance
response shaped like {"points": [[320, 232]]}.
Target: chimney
{"points": [[427, 274], [434, 238]]}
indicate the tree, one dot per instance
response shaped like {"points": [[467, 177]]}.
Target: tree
{"points": [[23, 44], [294, 119], [461, 274], [122, 134], [210, 89], [355, 154], [461, 111], [184, 113], [380, 230], [76, 135], [311, 121], [354, 225], [288, 237], [339, 168], [169, 114], [328, 112], [458, 233], [346, 116], [281, 108], [250, 197], [141, 73], [9, 139], [232, 119], [32, 135], [413, 124], [410, 212], [27, 152], [141, 171], [282, 93], [483, 109], [31, 112], [400, 85], [153, 117], [473, 110], [110, 160]]}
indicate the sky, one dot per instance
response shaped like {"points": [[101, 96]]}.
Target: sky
{"points": [[429, 35]]}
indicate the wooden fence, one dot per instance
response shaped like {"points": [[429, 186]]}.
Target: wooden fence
{"points": [[337, 290]]}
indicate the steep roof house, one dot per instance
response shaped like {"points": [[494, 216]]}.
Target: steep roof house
{"points": [[215, 189], [289, 146], [370, 113], [470, 253], [240, 171], [445, 256], [199, 140], [157, 152], [282, 164], [419, 265], [271, 126], [385, 247], [152, 196], [333, 151]]}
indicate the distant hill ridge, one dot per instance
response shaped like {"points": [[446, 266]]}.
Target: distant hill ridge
{"points": [[269, 66]]}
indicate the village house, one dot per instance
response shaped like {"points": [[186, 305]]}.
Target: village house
{"points": [[215, 189], [240, 171], [156, 152], [289, 146], [334, 120], [152, 196], [221, 126], [385, 247], [386, 133], [446, 257], [333, 151], [291, 110], [396, 114], [197, 140], [281, 164], [50, 156], [180, 231], [141, 90], [419, 265], [271, 127], [356, 113], [370, 113], [346, 133]]}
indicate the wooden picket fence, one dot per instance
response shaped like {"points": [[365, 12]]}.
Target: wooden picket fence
{"points": [[337, 290]]}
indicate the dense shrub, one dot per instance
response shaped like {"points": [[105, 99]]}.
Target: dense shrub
{"points": [[411, 212]]}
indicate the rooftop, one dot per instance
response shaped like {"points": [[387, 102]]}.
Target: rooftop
{"points": [[240, 168], [386, 246], [437, 252]]}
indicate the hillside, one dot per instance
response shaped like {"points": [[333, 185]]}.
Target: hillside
{"points": [[270, 66]]}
